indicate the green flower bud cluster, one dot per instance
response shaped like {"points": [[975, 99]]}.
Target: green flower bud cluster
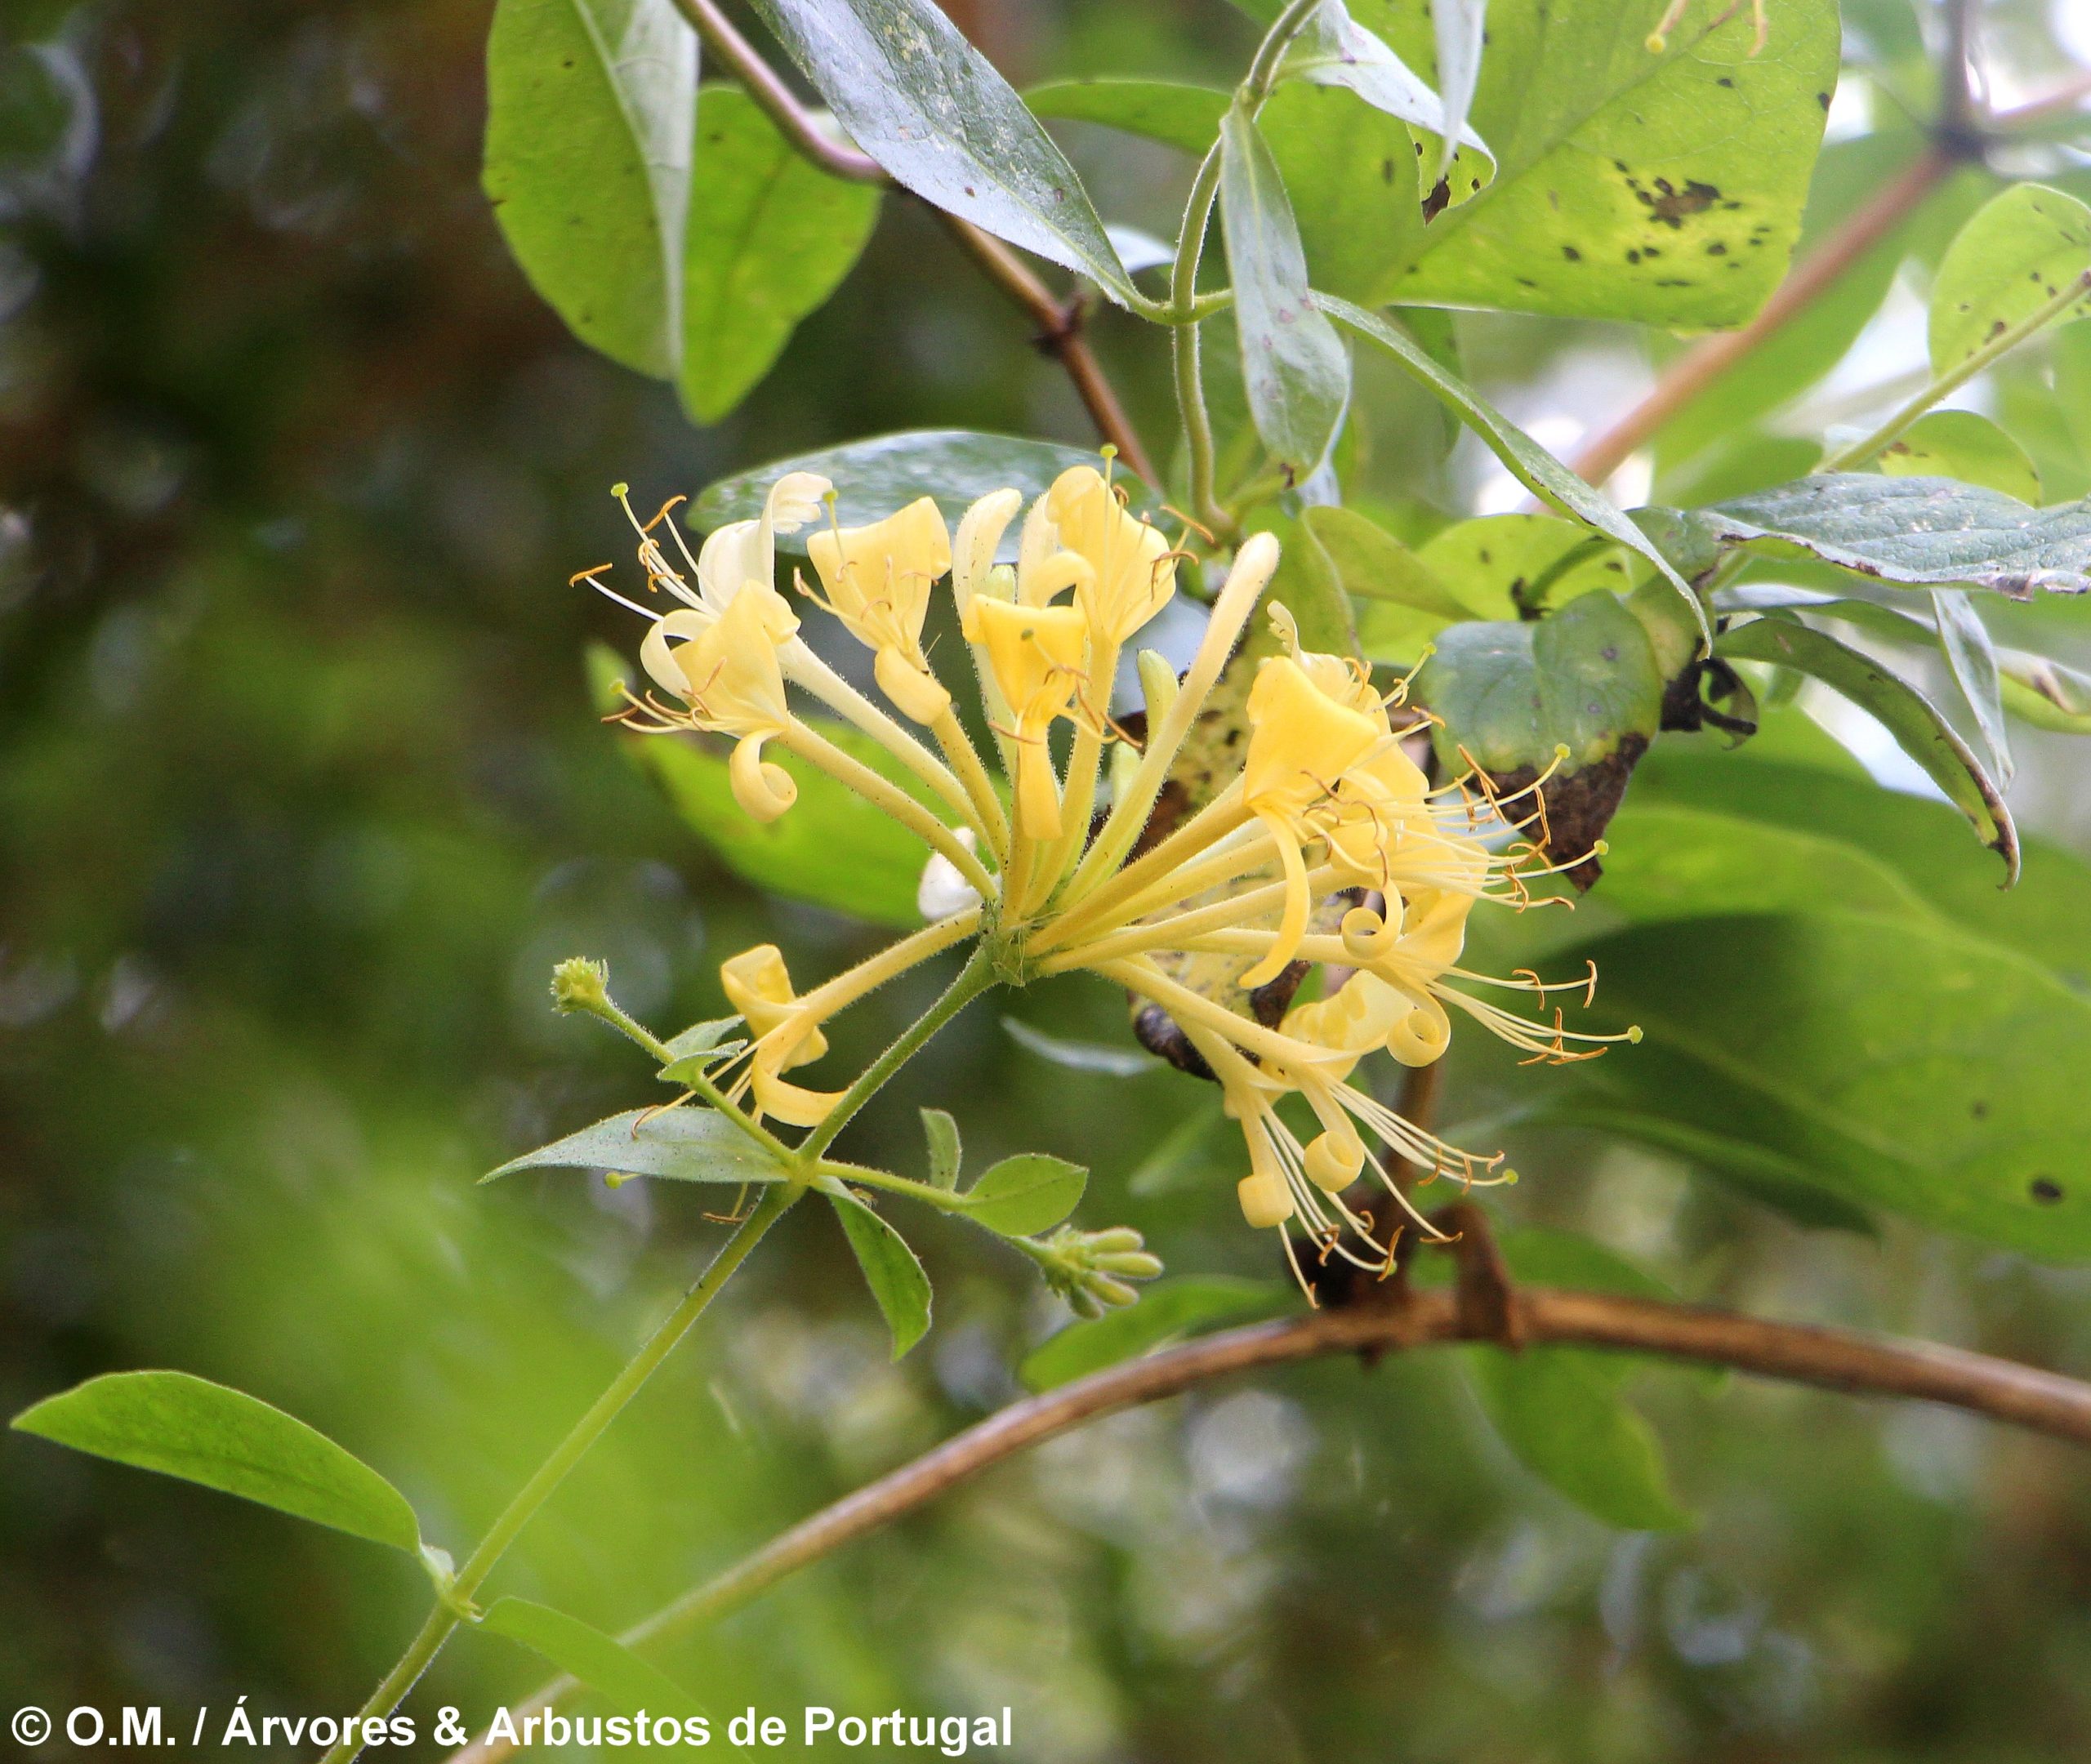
{"points": [[1091, 1269]]}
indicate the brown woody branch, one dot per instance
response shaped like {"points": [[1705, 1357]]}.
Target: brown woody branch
{"points": [[1832, 1359], [1061, 323]]}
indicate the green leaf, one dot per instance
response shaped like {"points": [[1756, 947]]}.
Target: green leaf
{"points": [[1105, 1058], [1568, 1425], [873, 478], [1168, 1310], [1177, 115], [1794, 356], [1667, 860], [1027, 1194], [1336, 50], [1963, 444], [2047, 917], [689, 1144], [1462, 32], [929, 108], [890, 1269], [604, 1664], [2008, 262], [1971, 658], [1349, 173], [832, 847], [1887, 1062], [1538, 470], [2044, 692], [769, 237], [1404, 603], [1294, 368], [1919, 731], [186, 1426], [701, 1047], [1350, 170], [1921, 531], [1511, 565], [590, 108], [945, 1153], [1510, 693], [1662, 189]]}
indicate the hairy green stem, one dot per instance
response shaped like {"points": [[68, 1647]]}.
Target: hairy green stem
{"points": [[975, 977], [778, 1199]]}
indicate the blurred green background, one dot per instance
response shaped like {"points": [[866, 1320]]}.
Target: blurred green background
{"points": [[300, 797]]}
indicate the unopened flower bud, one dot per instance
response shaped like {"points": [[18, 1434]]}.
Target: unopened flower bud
{"points": [[580, 985], [1133, 1264]]}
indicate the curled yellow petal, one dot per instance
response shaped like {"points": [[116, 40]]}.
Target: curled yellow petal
{"points": [[764, 790], [1265, 1199], [914, 690]]}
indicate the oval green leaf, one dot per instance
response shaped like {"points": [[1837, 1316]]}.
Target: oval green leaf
{"points": [[920, 99], [2007, 263], [1914, 722], [1294, 368], [1967, 445], [591, 107], [1887, 1062], [1027, 1194], [873, 478], [1569, 1426], [687, 1144], [890, 1269], [770, 236], [188, 1426], [600, 1662]]}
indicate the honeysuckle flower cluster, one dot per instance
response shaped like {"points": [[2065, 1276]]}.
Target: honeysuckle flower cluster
{"points": [[1329, 848]]}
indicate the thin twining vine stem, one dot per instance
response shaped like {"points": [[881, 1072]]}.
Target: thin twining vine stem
{"points": [[2071, 293], [1835, 1359], [1060, 322], [801, 1167], [454, 1604]]}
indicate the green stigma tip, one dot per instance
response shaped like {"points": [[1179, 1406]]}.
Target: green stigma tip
{"points": [[1561, 750], [1599, 847], [1509, 1178], [620, 490], [1658, 42], [1633, 1035]]}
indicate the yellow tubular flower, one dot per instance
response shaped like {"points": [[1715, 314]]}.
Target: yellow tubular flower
{"points": [[1035, 656], [877, 580], [786, 1034], [725, 669], [1301, 741], [1132, 568], [746, 551]]}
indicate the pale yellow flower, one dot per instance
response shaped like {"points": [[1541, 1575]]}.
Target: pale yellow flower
{"points": [[1301, 742], [725, 669], [786, 1034], [877, 580], [1131, 567], [1035, 656]]}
